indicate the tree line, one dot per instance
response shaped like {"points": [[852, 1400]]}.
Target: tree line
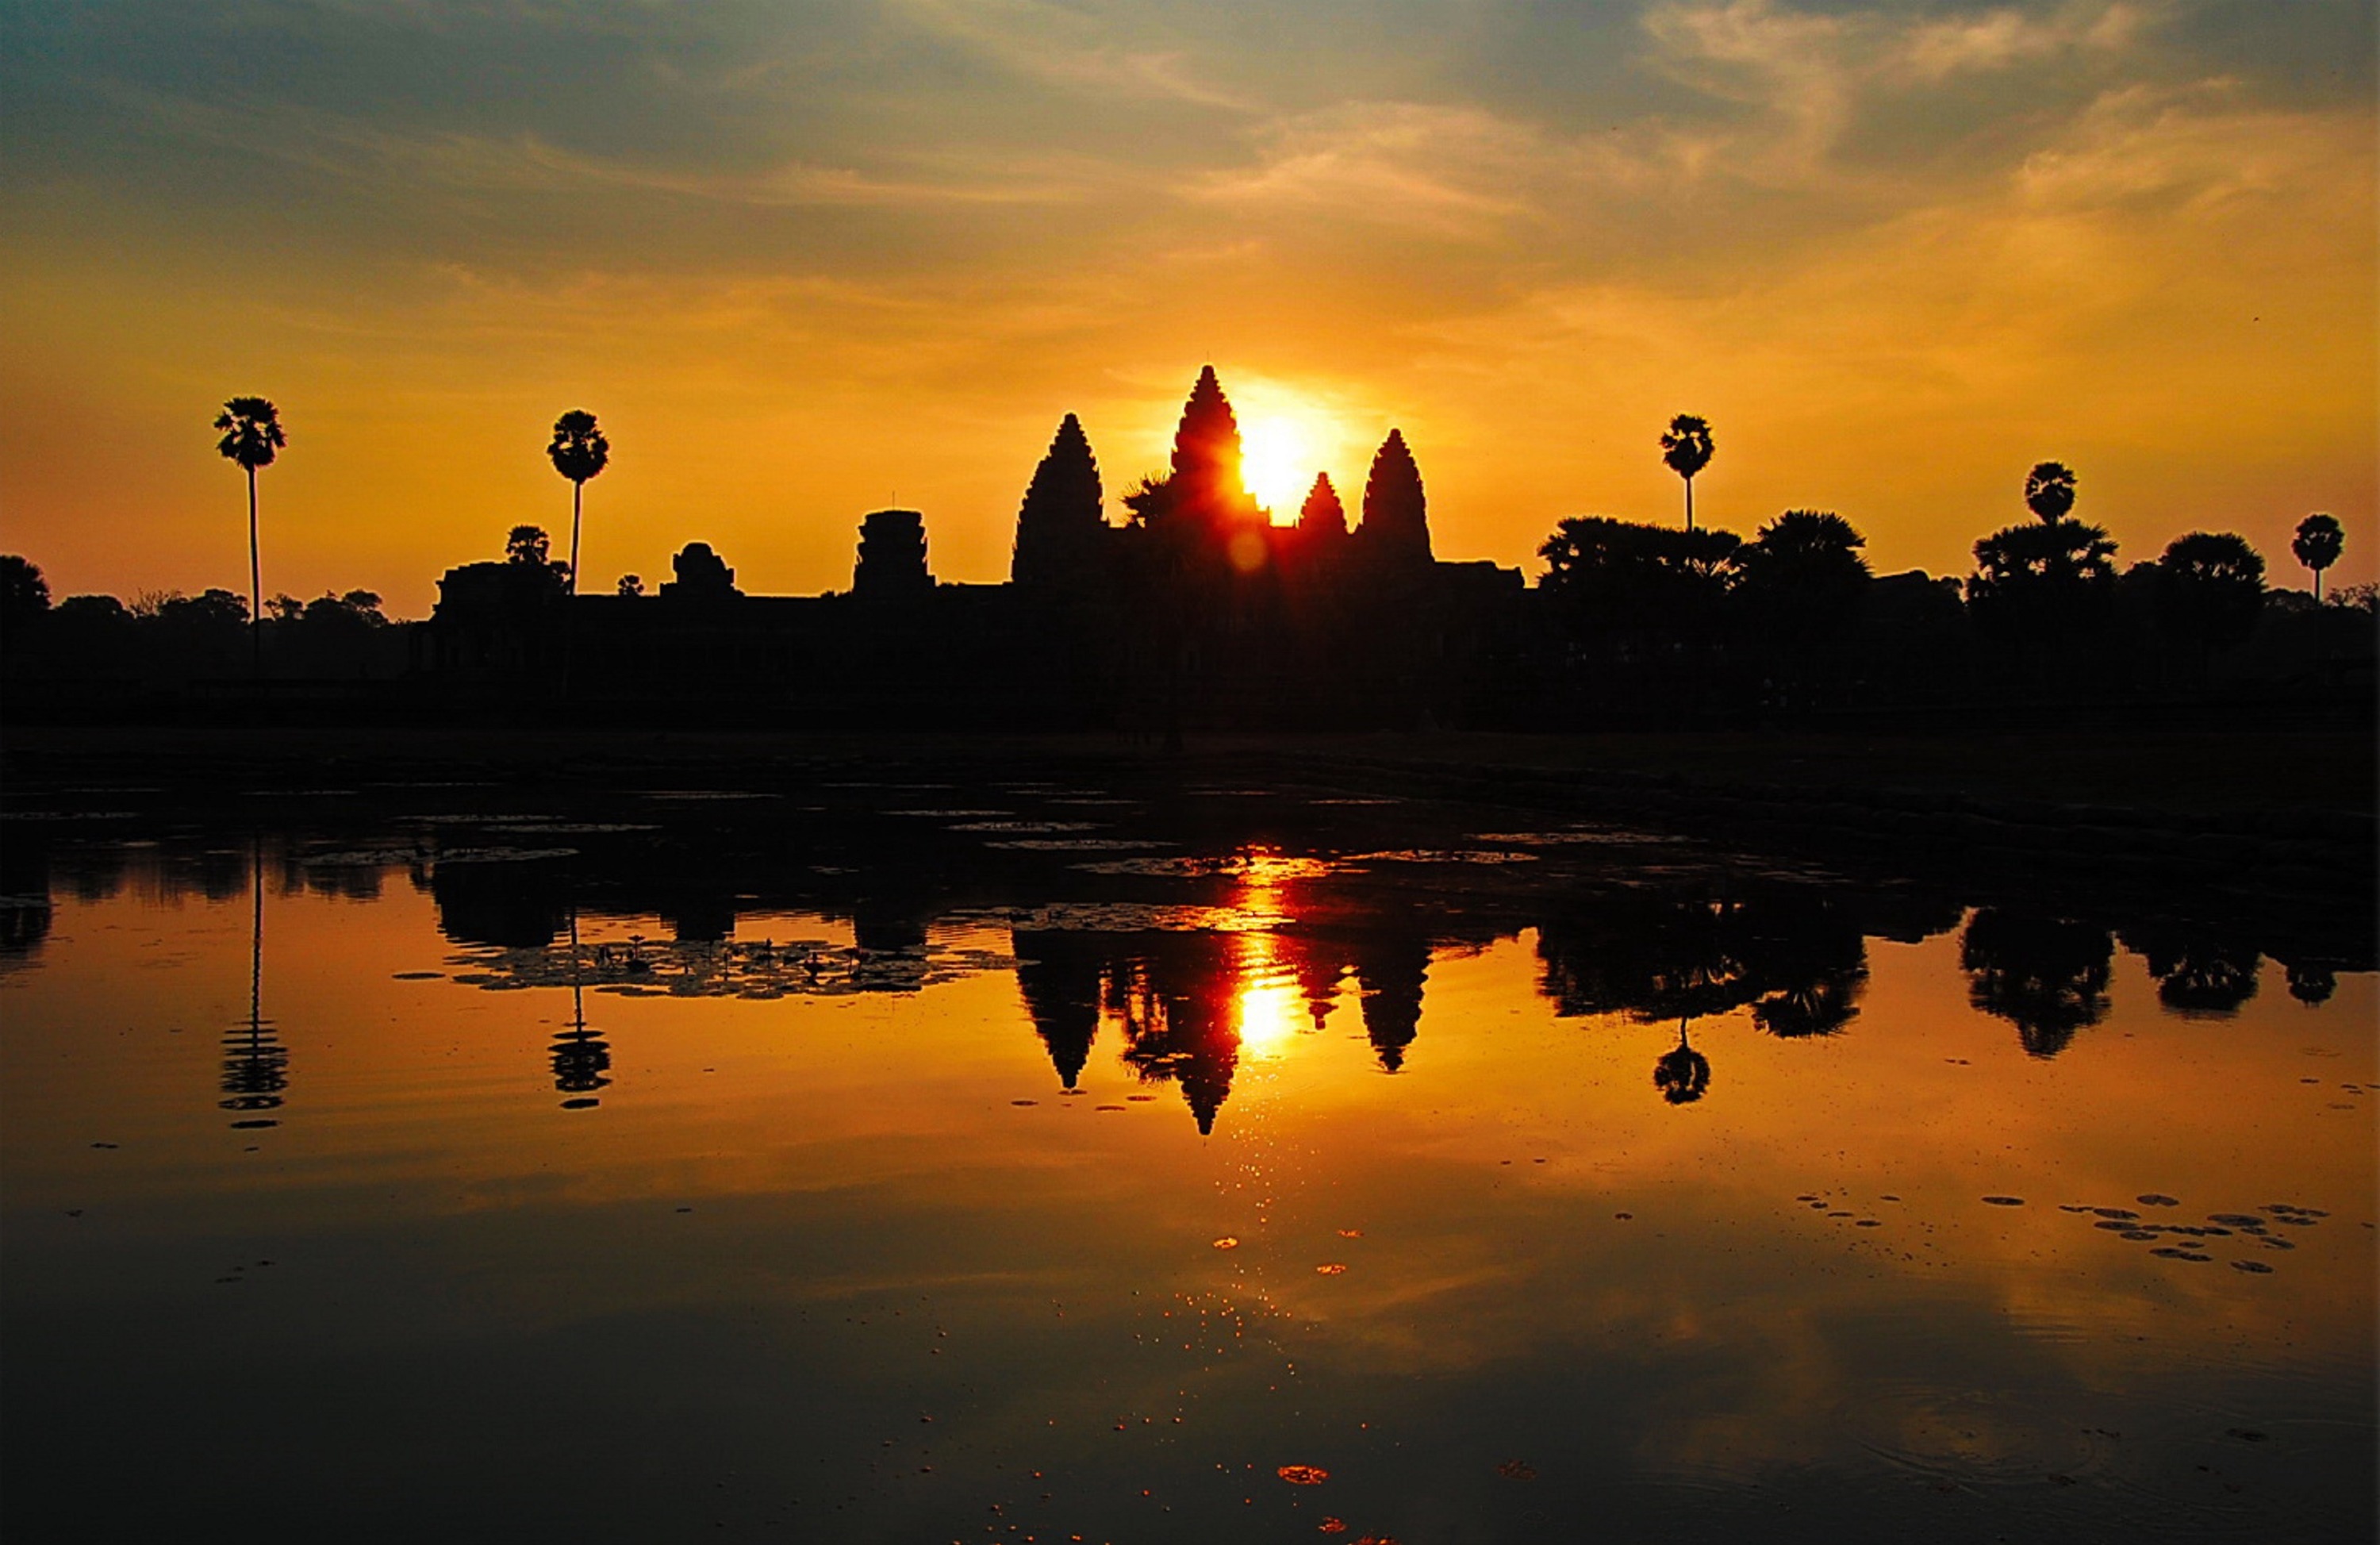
{"points": [[1795, 617]]}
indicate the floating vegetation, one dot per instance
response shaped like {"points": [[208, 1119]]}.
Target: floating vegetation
{"points": [[1127, 917], [502, 855], [571, 828], [1269, 865], [1579, 836], [2157, 1198], [641, 968], [1027, 828], [1304, 1475], [2004, 1201], [1444, 856], [380, 857]]}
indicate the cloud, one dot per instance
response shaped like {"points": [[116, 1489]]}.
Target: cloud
{"points": [[1802, 79], [360, 150], [1067, 47]]}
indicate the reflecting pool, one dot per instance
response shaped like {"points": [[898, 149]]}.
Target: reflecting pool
{"points": [[1027, 1162]]}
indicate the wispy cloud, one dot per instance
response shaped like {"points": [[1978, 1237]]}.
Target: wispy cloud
{"points": [[1072, 48], [361, 150], [1802, 78]]}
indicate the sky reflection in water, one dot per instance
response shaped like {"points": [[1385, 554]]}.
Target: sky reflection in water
{"points": [[893, 1218]]}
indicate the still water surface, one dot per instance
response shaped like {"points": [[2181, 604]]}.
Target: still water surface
{"points": [[1026, 1162]]}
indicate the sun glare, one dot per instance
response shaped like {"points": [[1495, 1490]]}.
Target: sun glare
{"points": [[1285, 438]]}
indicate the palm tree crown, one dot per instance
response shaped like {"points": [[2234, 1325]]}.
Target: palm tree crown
{"points": [[2317, 545], [252, 433], [579, 449], [1686, 449], [2049, 490]]}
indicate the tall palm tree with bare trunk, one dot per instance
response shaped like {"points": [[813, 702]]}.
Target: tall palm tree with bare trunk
{"points": [[252, 436], [580, 451], [2320, 537], [1686, 449]]}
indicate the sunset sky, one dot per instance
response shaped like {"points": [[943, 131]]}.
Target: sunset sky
{"points": [[805, 260]]}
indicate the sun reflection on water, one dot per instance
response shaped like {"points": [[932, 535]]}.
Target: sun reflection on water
{"points": [[1269, 1009]]}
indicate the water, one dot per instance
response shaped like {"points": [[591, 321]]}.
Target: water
{"points": [[1043, 1162]]}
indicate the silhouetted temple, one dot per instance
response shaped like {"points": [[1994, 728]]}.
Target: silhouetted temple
{"points": [[1196, 610]]}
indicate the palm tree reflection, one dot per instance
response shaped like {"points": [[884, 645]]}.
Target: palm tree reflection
{"points": [[1682, 1074], [582, 1059], [256, 1066], [2046, 976], [1796, 960]]}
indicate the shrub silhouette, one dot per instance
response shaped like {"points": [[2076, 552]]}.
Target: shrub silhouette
{"points": [[2209, 588]]}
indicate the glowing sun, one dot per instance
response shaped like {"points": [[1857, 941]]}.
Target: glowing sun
{"points": [[1285, 438]]}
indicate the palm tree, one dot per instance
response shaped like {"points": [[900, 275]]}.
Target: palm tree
{"points": [[251, 435], [2317, 545], [579, 452], [1686, 449], [2049, 490]]}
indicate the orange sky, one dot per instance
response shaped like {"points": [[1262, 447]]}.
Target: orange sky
{"points": [[805, 265]]}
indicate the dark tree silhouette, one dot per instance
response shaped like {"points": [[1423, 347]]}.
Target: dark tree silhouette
{"points": [[2046, 976], [1682, 1074], [526, 545], [2046, 582], [579, 451], [2049, 491], [1396, 512], [252, 436], [1060, 523], [2312, 982], [1618, 577], [24, 595], [2317, 545], [2197, 977], [631, 584], [1322, 517], [1687, 448], [1814, 1007], [1802, 576], [2209, 590]]}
